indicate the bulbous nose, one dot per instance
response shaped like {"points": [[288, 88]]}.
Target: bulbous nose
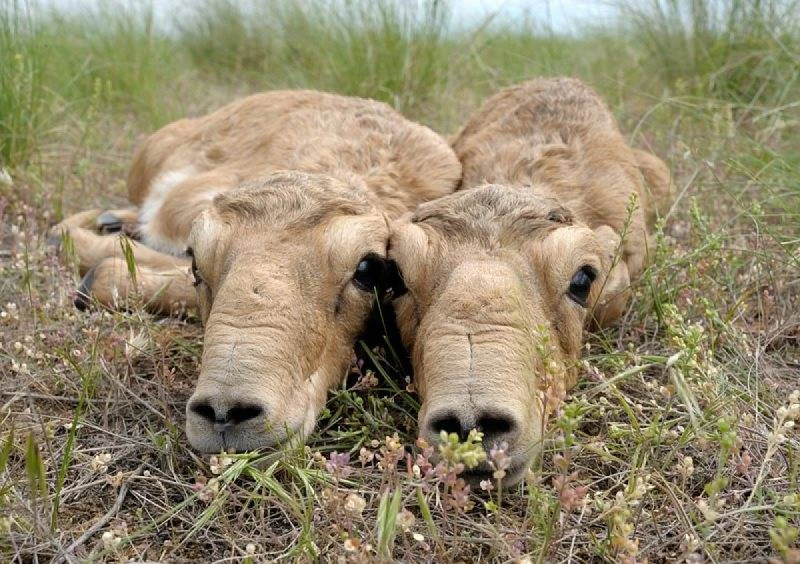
{"points": [[225, 418], [215, 423], [496, 426]]}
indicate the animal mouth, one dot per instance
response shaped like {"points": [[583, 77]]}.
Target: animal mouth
{"points": [[271, 442], [484, 471]]}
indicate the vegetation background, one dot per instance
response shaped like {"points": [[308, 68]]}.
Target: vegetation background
{"points": [[679, 444]]}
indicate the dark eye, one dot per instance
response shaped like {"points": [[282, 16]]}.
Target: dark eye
{"points": [[580, 285], [370, 273]]}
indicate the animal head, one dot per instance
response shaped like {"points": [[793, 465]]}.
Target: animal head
{"points": [[500, 283], [286, 270]]}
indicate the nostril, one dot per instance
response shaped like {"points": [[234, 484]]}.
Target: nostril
{"points": [[205, 411], [448, 423], [241, 413], [495, 425]]}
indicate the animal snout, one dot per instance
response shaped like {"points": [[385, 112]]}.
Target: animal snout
{"points": [[215, 423], [502, 426], [496, 425], [225, 418]]}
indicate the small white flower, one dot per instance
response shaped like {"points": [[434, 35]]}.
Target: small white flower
{"points": [[111, 540], [354, 504], [405, 520], [690, 543], [100, 462], [777, 438], [351, 545], [218, 464]]}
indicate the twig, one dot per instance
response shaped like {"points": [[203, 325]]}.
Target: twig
{"points": [[138, 399], [682, 193], [16, 396], [123, 491], [575, 535], [679, 509]]}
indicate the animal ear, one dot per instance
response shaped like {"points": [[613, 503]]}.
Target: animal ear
{"points": [[206, 233], [408, 246], [393, 285], [614, 283]]}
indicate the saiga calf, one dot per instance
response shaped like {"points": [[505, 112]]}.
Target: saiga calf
{"points": [[545, 235], [280, 205]]}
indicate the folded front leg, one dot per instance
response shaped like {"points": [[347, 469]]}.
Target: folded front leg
{"points": [[163, 286], [91, 248], [93, 234]]}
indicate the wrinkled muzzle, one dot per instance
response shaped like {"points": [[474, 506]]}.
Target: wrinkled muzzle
{"points": [[478, 366], [256, 387], [483, 379]]}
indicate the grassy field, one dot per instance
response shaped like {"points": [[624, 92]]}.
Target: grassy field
{"points": [[679, 443]]}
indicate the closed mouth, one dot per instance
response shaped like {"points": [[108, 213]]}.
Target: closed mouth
{"points": [[485, 472], [251, 436]]}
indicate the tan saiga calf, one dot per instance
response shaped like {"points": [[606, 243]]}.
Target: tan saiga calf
{"points": [[283, 200], [504, 275]]}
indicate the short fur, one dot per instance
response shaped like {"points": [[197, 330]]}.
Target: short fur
{"points": [[557, 136]]}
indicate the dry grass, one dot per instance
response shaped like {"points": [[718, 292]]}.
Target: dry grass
{"points": [[680, 442]]}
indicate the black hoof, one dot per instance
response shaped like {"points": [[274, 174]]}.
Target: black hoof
{"points": [[54, 242], [83, 298], [108, 223]]}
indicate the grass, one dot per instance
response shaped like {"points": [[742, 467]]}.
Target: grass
{"points": [[679, 442], [361, 49]]}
